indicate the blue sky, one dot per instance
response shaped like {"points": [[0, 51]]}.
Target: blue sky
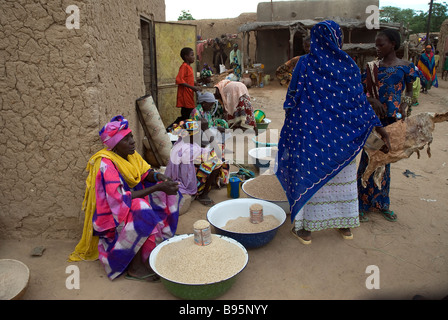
{"points": [[212, 9]]}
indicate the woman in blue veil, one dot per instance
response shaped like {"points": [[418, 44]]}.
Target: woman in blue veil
{"points": [[327, 122]]}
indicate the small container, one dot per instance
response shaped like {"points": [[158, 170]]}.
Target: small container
{"points": [[232, 174], [234, 183], [259, 115], [202, 233], [256, 213]]}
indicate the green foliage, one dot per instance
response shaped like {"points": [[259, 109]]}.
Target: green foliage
{"points": [[417, 20], [186, 15]]}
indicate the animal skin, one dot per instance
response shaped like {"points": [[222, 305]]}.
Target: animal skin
{"points": [[406, 137]]}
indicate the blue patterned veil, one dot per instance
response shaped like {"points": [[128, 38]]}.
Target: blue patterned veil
{"points": [[327, 117]]}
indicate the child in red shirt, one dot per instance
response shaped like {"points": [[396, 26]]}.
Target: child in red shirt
{"points": [[186, 85]]}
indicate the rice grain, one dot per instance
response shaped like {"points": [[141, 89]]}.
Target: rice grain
{"points": [[244, 225], [266, 187], [185, 262]]}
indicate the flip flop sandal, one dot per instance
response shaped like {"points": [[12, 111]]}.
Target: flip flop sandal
{"points": [[146, 278], [305, 242], [346, 237], [389, 215], [363, 217], [206, 202]]}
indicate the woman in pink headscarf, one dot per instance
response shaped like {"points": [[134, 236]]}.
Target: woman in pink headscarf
{"points": [[129, 208], [238, 110]]}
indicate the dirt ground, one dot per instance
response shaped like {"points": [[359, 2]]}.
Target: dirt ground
{"points": [[411, 254]]}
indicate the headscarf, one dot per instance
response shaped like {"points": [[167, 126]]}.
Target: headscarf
{"points": [[328, 118], [131, 169], [231, 91], [114, 131], [206, 97]]}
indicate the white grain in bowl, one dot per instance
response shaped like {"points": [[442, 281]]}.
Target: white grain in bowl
{"points": [[185, 262], [244, 225]]}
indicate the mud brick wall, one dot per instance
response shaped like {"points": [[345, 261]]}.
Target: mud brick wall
{"points": [[58, 87]]}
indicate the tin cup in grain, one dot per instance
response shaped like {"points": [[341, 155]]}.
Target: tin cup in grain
{"points": [[202, 233], [256, 213]]}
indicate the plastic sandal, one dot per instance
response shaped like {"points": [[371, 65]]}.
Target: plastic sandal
{"points": [[363, 217], [389, 215]]}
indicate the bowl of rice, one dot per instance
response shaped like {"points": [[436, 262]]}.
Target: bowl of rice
{"points": [[231, 218], [193, 272], [267, 187]]}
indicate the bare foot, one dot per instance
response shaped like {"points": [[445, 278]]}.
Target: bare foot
{"points": [[304, 234]]}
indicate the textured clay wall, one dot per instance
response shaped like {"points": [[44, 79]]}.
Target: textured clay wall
{"points": [[58, 87]]}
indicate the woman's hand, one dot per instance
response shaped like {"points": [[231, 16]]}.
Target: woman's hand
{"points": [[162, 177], [378, 107], [204, 124], [402, 110], [385, 137], [169, 187]]}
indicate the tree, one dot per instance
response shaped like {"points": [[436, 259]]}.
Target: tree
{"points": [[417, 19], [186, 15], [393, 14]]}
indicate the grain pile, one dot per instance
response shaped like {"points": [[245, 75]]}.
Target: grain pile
{"points": [[185, 262], [266, 187], [244, 225]]}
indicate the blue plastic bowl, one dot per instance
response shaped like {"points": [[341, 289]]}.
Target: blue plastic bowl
{"points": [[221, 213]]}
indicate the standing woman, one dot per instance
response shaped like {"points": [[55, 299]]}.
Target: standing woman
{"points": [[386, 80], [427, 65], [235, 61], [327, 123]]}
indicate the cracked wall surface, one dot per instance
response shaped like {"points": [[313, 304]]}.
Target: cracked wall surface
{"points": [[58, 87]]}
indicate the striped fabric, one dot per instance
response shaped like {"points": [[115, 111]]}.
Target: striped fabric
{"points": [[427, 66]]}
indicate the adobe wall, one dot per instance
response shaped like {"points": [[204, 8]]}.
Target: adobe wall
{"points": [[59, 87], [442, 45]]}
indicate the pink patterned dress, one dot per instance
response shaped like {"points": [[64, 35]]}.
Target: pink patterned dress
{"points": [[124, 225]]}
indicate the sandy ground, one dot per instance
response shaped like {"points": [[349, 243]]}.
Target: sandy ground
{"points": [[411, 254]]}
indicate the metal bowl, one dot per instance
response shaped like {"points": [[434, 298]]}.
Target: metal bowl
{"points": [[282, 204], [221, 213], [14, 279], [195, 291]]}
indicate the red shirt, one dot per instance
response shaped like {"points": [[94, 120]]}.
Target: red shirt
{"points": [[185, 96]]}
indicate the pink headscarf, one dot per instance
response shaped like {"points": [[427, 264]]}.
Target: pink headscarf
{"points": [[114, 131], [231, 91]]}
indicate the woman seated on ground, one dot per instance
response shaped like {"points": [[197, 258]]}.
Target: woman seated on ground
{"points": [[129, 208], [235, 99], [194, 162]]}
